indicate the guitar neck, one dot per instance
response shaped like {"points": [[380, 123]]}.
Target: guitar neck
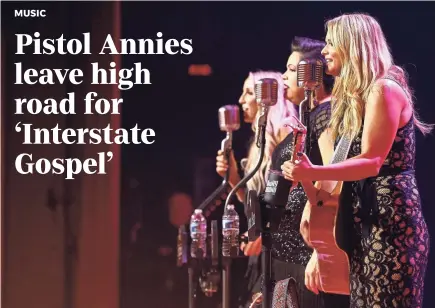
{"points": [[299, 137], [298, 142]]}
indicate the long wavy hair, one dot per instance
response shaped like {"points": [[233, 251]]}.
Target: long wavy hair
{"points": [[361, 45], [277, 116]]}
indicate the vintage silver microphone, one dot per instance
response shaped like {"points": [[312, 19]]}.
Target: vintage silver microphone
{"points": [[229, 118], [229, 121], [310, 77], [266, 95], [266, 92], [310, 73]]}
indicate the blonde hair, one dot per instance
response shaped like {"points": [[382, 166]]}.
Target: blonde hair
{"points": [[361, 45], [278, 115]]}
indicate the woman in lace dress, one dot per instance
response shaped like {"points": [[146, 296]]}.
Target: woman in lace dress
{"points": [[373, 106]]}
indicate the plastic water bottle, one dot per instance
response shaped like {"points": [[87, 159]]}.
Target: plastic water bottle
{"points": [[230, 232], [198, 233]]}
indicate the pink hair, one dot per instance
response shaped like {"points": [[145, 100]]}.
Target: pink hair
{"points": [[278, 115]]}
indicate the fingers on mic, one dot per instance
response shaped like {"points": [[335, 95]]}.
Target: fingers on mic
{"points": [[221, 159], [220, 170], [221, 165]]}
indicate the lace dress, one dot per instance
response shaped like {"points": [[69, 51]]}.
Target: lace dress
{"points": [[389, 259]]}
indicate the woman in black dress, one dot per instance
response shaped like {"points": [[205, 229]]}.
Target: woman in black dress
{"points": [[373, 108], [289, 251]]}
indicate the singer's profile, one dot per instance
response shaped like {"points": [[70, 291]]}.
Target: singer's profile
{"points": [[274, 134], [290, 254], [373, 107]]}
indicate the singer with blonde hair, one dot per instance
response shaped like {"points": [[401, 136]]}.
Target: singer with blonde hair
{"points": [[278, 114], [373, 107]]}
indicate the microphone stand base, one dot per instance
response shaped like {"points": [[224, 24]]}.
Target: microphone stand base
{"points": [[193, 264], [266, 265], [226, 275]]}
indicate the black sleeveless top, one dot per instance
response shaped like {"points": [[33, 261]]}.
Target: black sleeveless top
{"points": [[287, 243]]}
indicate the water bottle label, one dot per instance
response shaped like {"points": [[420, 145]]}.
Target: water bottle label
{"points": [[228, 223], [194, 227]]}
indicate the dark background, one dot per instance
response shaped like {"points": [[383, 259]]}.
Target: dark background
{"points": [[233, 38]]}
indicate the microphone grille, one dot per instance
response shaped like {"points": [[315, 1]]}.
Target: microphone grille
{"points": [[229, 118], [310, 73], [266, 91]]}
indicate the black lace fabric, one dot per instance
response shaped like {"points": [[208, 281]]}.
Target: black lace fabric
{"points": [[388, 264]]}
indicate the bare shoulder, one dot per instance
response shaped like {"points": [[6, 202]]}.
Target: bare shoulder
{"points": [[387, 101], [387, 91]]}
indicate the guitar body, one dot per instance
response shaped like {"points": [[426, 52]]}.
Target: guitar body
{"points": [[333, 262]]}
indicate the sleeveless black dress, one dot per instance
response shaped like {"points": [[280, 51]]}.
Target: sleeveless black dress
{"points": [[290, 254], [389, 259]]}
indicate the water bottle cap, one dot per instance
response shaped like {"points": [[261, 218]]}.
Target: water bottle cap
{"points": [[198, 211]]}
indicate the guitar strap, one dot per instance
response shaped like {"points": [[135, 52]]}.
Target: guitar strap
{"points": [[340, 154], [285, 294]]}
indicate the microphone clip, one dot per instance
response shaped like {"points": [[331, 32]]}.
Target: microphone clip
{"points": [[261, 126]]}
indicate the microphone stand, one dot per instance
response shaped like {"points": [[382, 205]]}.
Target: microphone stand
{"points": [[192, 270], [183, 257], [229, 121], [195, 265], [210, 280], [226, 148], [262, 216], [304, 113], [261, 143]]}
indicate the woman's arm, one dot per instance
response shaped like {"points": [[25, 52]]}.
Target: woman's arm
{"points": [[382, 117]]}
